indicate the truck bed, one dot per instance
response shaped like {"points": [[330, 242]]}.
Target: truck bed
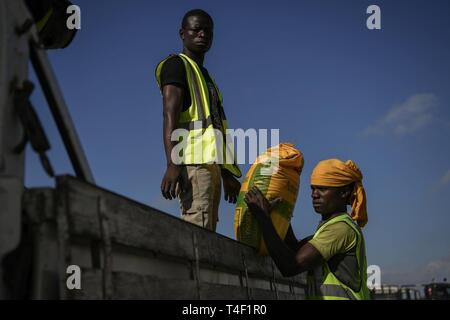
{"points": [[127, 250]]}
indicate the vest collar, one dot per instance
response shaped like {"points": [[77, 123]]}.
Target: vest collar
{"points": [[322, 222]]}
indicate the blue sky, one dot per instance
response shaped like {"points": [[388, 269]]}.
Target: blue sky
{"points": [[309, 68]]}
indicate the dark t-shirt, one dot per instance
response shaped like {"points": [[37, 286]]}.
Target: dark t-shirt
{"points": [[173, 72]]}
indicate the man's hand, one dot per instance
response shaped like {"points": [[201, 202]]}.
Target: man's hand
{"points": [[169, 182], [231, 186], [258, 204]]}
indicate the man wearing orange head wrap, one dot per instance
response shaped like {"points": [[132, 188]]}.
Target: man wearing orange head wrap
{"points": [[336, 173], [335, 255]]}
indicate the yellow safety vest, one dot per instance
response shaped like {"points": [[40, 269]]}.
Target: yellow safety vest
{"points": [[323, 284], [202, 143]]}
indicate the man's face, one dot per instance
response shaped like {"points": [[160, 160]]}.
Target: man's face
{"points": [[328, 200], [197, 34]]}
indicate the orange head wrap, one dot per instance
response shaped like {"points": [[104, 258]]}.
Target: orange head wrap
{"points": [[336, 173]]}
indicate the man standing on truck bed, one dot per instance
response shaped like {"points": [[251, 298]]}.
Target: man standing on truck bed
{"points": [[335, 256], [192, 101]]}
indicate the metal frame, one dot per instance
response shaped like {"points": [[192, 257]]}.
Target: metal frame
{"points": [[60, 112]]}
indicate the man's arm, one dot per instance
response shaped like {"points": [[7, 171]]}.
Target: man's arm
{"points": [[172, 106], [291, 240], [288, 261]]}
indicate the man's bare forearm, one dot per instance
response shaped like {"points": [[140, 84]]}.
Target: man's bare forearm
{"points": [[283, 256], [290, 240], [289, 260], [168, 127]]}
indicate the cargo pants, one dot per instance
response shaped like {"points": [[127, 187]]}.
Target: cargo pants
{"points": [[200, 194]]}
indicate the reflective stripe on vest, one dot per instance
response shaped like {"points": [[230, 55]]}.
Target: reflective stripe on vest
{"points": [[325, 285], [197, 120], [334, 290], [204, 123]]}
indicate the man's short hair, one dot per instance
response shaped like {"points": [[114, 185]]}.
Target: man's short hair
{"points": [[196, 12]]}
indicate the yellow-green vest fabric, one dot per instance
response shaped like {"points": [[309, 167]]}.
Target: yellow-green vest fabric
{"points": [[324, 285], [201, 145]]}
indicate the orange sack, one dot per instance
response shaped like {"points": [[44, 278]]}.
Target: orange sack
{"points": [[276, 172]]}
